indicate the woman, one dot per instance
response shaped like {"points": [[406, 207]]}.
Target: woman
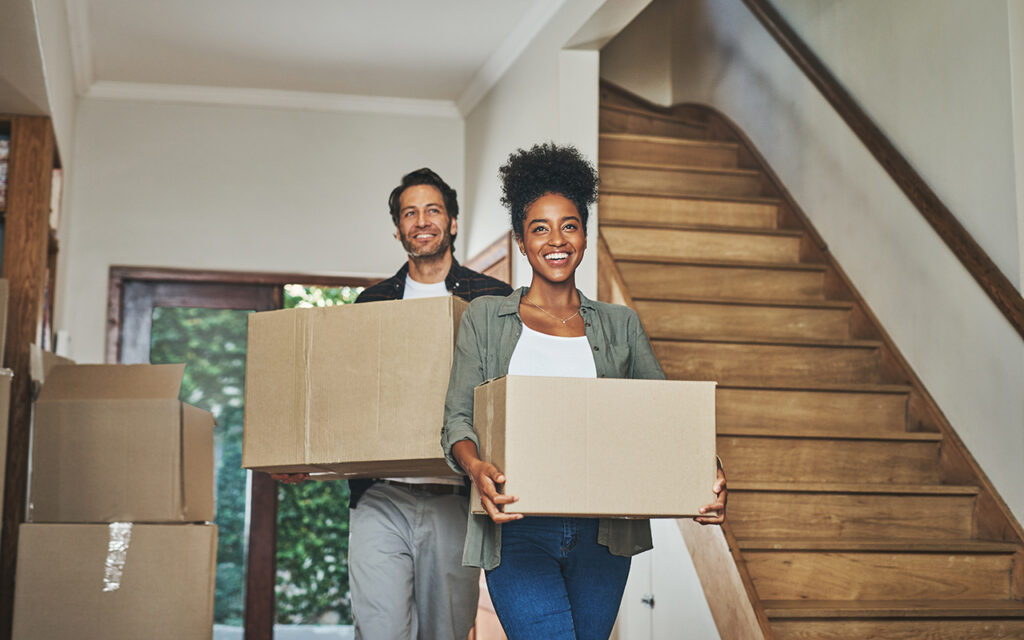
{"points": [[552, 578]]}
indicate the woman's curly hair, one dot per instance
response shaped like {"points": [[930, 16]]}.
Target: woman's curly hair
{"points": [[542, 169]]}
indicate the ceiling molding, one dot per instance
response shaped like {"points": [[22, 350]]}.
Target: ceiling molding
{"points": [[271, 98], [507, 53], [81, 44]]}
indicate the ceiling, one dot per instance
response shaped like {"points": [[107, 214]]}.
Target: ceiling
{"points": [[439, 50]]}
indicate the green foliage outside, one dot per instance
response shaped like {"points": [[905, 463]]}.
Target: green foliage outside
{"points": [[312, 543]]}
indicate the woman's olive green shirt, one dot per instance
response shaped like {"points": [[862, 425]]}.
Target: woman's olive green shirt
{"points": [[488, 333]]}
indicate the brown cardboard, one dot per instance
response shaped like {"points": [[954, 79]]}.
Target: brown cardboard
{"points": [[6, 376], [357, 390], [113, 443], [4, 293], [599, 447], [165, 589], [41, 363]]}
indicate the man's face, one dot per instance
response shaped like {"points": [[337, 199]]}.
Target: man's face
{"points": [[424, 227]]}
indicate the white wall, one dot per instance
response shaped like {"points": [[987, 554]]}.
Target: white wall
{"points": [[54, 41], [935, 73], [209, 187], [1016, 28], [549, 93]]}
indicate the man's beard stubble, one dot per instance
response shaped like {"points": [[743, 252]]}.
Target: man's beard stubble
{"points": [[442, 246]]}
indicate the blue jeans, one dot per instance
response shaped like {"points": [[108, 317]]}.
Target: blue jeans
{"points": [[555, 581]]}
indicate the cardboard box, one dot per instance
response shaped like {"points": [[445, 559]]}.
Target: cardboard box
{"points": [[113, 443], [599, 447], [357, 389], [4, 293], [119, 581], [6, 376]]}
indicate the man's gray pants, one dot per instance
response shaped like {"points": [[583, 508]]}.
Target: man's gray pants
{"points": [[405, 566]]}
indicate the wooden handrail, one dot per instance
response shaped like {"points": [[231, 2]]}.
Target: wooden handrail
{"points": [[961, 243]]}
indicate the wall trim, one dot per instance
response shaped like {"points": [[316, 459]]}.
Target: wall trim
{"points": [[81, 44], [270, 98]]}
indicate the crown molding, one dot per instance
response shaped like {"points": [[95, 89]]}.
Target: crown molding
{"points": [[507, 53], [81, 44], [270, 98]]}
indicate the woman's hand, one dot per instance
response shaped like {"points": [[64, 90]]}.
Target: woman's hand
{"points": [[486, 477], [290, 478], [721, 495]]}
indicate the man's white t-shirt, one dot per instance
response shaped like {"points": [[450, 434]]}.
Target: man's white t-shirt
{"points": [[415, 289]]}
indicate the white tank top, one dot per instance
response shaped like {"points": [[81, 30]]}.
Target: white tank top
{"points": [[541, 354]]}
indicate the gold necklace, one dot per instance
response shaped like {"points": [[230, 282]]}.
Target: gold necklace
{"points": [[551, 314]]}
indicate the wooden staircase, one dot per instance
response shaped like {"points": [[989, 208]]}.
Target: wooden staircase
{"points": [[854, 509]]}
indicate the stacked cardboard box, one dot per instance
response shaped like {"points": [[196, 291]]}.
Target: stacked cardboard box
{"points": [[121, 486], [356, 390]]}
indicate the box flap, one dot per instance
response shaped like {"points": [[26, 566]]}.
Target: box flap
{"points": [[3, 318], [112, 382], [42, 362]]}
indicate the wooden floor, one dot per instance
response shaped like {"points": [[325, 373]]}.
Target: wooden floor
{"points": [[856, 511]]}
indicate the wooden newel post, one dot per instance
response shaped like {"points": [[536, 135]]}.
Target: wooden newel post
{"points": [[26, 236]]}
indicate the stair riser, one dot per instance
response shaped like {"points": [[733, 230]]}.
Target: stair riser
{"points": [[666, 281], [817, 460], [792, 575], [653, 152], [767, 364], [782, 411], [722, 213], [682, 320], [684, 183], [840, 629], [625, 242], [613, 121], [848, 516]]}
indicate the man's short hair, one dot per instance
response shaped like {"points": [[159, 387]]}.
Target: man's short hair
{"points": [[427, 177]]}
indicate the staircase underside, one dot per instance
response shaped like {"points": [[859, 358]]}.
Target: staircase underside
{"points": [[855, 510]]}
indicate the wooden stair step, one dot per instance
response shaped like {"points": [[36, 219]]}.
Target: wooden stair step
{"points": [[685, 226], [621, 119], [756, 361], [900, 620], [793, 459], [634, 147], [680, 180], [632, 206], [811, 609], [708, 319], [711, 244], [880, 436], [762, 303], [676, 281], [874, 544], [857, 511], [836, 410], [876, 575]]}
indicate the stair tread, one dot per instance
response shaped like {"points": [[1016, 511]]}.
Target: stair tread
{"points": [[737, 264], [842, 387], [894, 608], [894, 545], [651, 114], [686, 226], [819, 434], [836, 343], [688, 168], [646, 137], [851, 487], [678, 196], [752, 302]]}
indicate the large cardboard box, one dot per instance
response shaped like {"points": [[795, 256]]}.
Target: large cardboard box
{"points": [[357, 390], [115, 582], [4, 293], [113, 443], [599, 447]]}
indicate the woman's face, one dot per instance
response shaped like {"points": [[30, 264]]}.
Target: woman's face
{"points": [[553, 238]]}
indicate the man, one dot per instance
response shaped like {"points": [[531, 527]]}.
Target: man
{"points": [[406, 534]]}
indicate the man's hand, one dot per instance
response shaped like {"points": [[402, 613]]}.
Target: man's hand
{"points": [[721, 495], [487, 477], [290, 478]]}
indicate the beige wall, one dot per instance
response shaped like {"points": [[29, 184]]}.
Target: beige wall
{"points": [[1016, 29], [207, 187], [935, 73]]}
